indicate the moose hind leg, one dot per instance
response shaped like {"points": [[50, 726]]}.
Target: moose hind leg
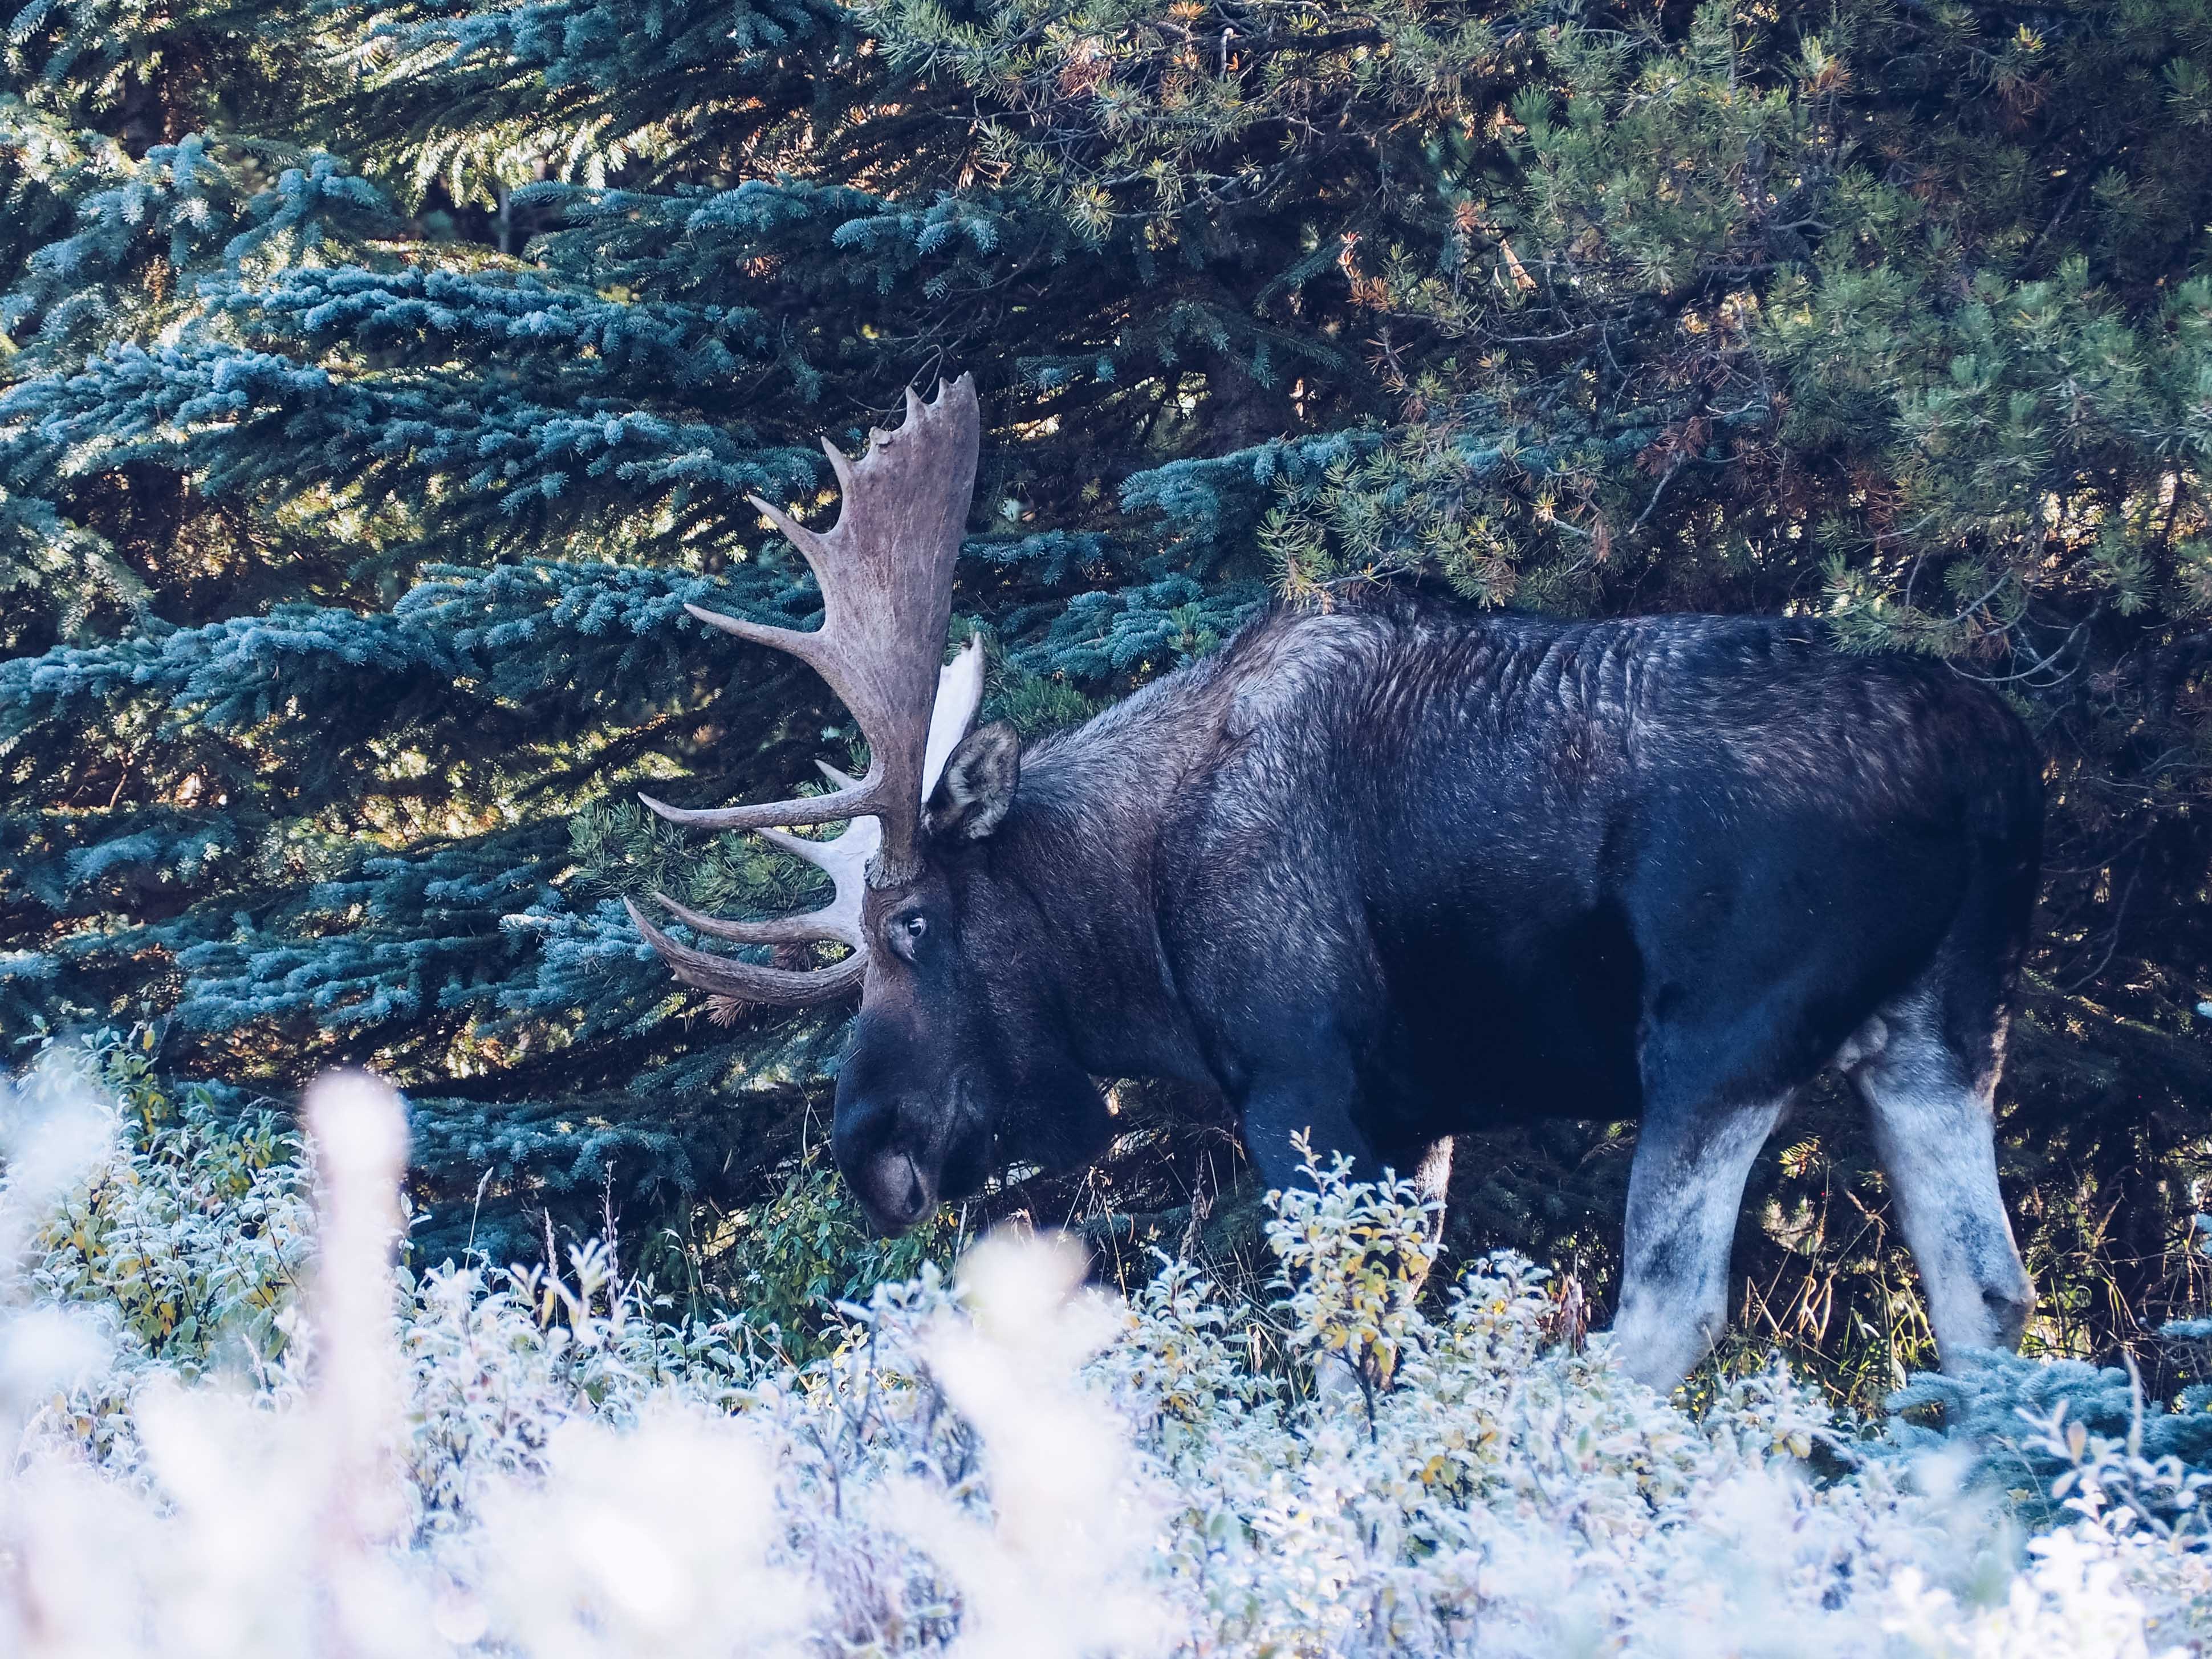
{"points": [[1935, 1132], [1683, 1190]]}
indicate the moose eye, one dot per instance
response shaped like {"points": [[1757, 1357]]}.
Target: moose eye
{"points": [[906, 933]]}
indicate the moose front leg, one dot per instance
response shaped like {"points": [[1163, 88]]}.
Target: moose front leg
{"points": [[1312, 1100], [1683, 1190], [1313, 1103]]}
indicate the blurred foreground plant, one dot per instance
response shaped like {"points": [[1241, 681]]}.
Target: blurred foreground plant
{"points": [[538, 1462]]}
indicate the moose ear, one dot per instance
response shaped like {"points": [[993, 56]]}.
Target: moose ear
{"points": [[977, 790]]}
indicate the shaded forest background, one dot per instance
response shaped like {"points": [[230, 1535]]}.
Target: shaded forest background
{"points": [[378, 382]]}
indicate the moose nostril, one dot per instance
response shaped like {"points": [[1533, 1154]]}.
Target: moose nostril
{"points": [[861, 1130], [896, 1194], [881, 1165]]}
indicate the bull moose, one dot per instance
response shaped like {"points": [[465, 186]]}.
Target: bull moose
{"points": [[1389, 870]]}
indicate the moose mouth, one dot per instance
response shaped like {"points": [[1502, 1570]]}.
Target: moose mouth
{"points": [[896, 1193], [900, 1187]]}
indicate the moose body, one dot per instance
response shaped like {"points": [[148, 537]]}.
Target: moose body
{"points": [[1393, 871]]}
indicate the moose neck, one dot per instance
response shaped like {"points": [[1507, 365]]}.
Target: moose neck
{"points": [[1082, 841]]}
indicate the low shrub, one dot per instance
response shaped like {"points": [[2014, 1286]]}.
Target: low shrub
{"points": [[240, 1431]]}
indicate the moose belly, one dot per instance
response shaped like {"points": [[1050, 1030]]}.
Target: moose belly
{"points": [[1501, 1025]]}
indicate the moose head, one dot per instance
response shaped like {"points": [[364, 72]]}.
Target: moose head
{"points": [[951, 1036]]}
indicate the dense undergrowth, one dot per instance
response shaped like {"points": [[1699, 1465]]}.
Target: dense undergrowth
{"points": [[238, 1430]]}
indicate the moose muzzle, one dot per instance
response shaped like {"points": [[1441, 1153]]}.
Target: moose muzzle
{"points": [[896, 1181]]}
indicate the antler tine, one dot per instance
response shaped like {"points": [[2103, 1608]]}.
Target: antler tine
{"points": [[885, 571], [775, 930], [845, 860], [744, 981], [857, 801]]}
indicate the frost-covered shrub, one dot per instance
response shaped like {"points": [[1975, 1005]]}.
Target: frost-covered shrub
{"points": [[2026, 1423], [198, 1236], [809, 1249], [339, 1458]]}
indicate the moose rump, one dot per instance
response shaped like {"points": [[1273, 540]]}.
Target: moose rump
{"points": [[1388, 872]]}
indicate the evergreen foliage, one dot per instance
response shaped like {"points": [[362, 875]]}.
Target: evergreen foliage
{"points": [[377, 390], [2026, 1422]]}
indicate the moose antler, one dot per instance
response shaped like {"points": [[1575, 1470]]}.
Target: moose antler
{"points": [[885, 573]]}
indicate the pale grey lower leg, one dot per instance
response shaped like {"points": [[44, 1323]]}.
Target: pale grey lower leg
{"points": [[1934, 1131], [1683, 1190], [1432, 1176]]}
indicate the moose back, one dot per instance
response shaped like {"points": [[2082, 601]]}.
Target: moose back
{"points": [[1392, 870]]}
